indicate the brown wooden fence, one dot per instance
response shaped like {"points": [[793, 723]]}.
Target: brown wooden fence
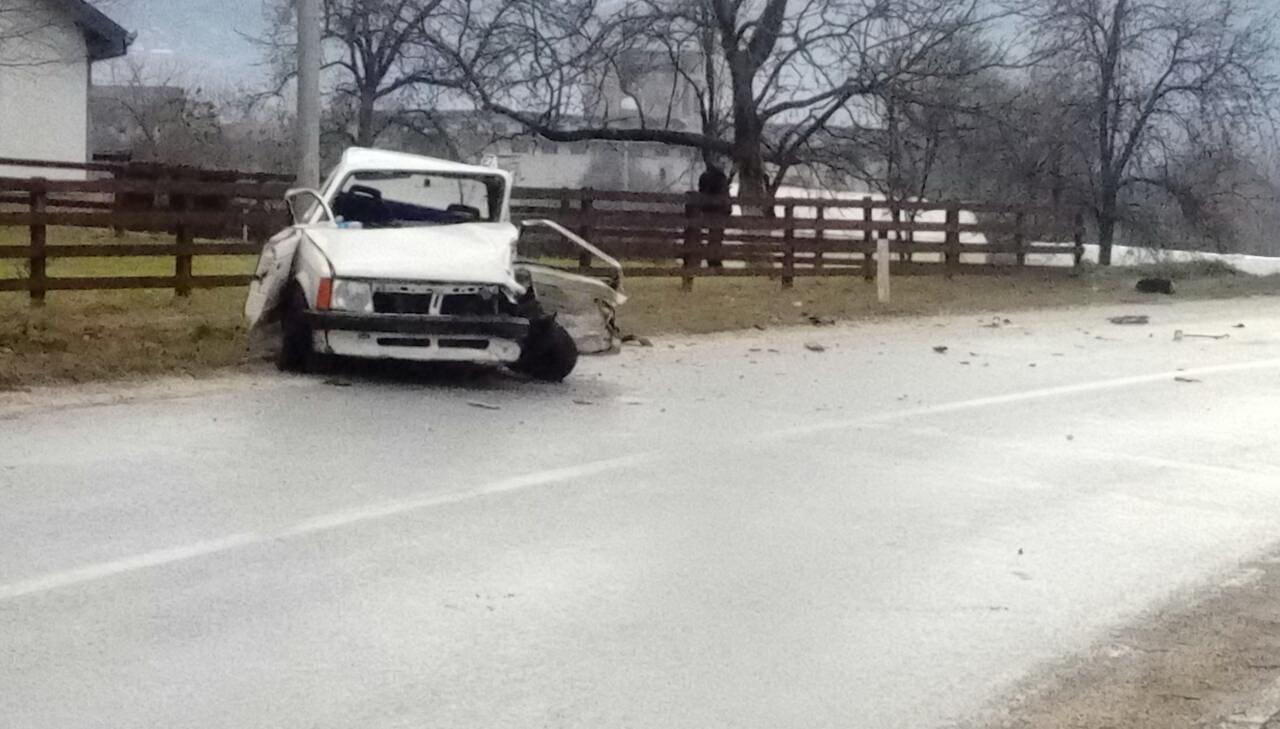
{"points": [[785, 238], [244, 215], [655, 234]]}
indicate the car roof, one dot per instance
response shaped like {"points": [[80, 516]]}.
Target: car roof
{"points": [[356, 159]]}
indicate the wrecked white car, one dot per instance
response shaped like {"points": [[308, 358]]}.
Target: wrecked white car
{"points": [[406, 257]]}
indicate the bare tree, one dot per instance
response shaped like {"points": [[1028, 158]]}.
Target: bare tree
{"points": [[1150, 65], [770, 76], [158, 114], [375, 58]]}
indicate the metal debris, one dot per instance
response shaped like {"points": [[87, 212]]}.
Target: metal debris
{"points": [[483, 405], [1180, 335], [814, 347], [1131, 319]]}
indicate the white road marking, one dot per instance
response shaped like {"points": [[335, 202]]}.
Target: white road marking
{"points": [[1268, 476], [98, 571], [336, 520], [1017, 397]]}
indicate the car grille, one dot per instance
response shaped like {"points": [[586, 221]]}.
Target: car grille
{"points": [[398, 303], [450, 300], [468, 305]]}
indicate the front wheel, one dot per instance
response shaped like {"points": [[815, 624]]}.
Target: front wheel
{"points": [[297, 341], [549, 353]]}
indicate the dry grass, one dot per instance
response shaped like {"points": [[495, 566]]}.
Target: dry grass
{"points": [[80, 336], [658, 306]]}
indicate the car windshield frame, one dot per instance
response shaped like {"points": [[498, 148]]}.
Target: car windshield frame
{"points": [[391, 213]]}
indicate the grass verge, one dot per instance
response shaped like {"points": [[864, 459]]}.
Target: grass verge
{"points": [[85, 336]]}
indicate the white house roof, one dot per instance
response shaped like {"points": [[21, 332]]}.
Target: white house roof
{"points": [[104, 37], [361, 158]]}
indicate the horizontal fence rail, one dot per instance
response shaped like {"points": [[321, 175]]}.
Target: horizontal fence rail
{"points": [[691, 235], [685, 236]]}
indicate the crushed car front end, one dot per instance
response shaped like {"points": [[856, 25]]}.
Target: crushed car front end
{"points": [[423, 321]]}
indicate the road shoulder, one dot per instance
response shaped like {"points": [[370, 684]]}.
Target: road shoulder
{"points": [[1209, 661]]}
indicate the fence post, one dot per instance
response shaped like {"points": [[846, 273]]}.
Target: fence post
{"points": [[585, 230], [182, 261], [1079, 238], [953, 238], [819, 214], [36, 278], [868, 247], [1020, 237], [692, 244], [789, 247], [882, 270]]}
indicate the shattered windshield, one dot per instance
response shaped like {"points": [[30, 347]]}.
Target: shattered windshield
{"points": [[400, 199]]}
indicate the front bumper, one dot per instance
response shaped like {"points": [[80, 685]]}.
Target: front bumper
{"points": [[420, 337], [504, 327]]}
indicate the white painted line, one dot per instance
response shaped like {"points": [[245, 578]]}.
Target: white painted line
{"points": [[101, 570], [1268, 476], [1017, 397], [336, 520], [345, 518]]}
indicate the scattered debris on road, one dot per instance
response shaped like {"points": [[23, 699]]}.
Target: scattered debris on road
{"points": [[1180, 335], [759, 327], [483, 405], [583, 402], [822, 321], [814, 347], [334, 382], [1186, 379], [1238, 326], [1130, 320], [997, 322], [941, 349], [637, 340]]}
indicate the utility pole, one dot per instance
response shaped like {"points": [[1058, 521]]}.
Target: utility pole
{"points": [[308, 123]]}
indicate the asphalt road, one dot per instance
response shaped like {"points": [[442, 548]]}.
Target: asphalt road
{"points": [[731, 531]]}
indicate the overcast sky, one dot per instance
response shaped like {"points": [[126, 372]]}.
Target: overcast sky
{"points": [[199, 36]]}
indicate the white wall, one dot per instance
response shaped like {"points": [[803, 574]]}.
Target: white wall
{"points": [[44, 86], [1128, 256], [547, 164]]}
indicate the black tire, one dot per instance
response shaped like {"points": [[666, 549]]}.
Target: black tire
{"points": [[297, 340], [549, 353]]}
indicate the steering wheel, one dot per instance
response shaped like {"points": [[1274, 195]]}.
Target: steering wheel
{"points": [[365, 191]]}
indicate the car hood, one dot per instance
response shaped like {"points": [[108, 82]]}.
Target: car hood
{"points": [[464, 253]]}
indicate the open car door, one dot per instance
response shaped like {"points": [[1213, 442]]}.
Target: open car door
{"points": [[584, 305], [275, 263]]}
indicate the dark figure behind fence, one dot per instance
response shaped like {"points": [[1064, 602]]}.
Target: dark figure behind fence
{"points": [[714, 182]]}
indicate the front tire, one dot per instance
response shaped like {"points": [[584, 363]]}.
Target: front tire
{"points": [[297, 341], [549, 353]]}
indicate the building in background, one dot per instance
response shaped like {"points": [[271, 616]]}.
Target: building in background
{"points": [[47, 52]]}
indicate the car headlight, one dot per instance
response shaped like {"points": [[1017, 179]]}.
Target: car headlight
{"points": [[352, 296]]}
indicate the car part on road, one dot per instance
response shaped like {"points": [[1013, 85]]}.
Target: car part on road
{"points": [[1180, 335], [1131, 319], [1155, 286]]}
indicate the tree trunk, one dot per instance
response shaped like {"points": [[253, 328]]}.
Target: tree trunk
{"points": [[1106, 234], [748, 145], [365, 134]]}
